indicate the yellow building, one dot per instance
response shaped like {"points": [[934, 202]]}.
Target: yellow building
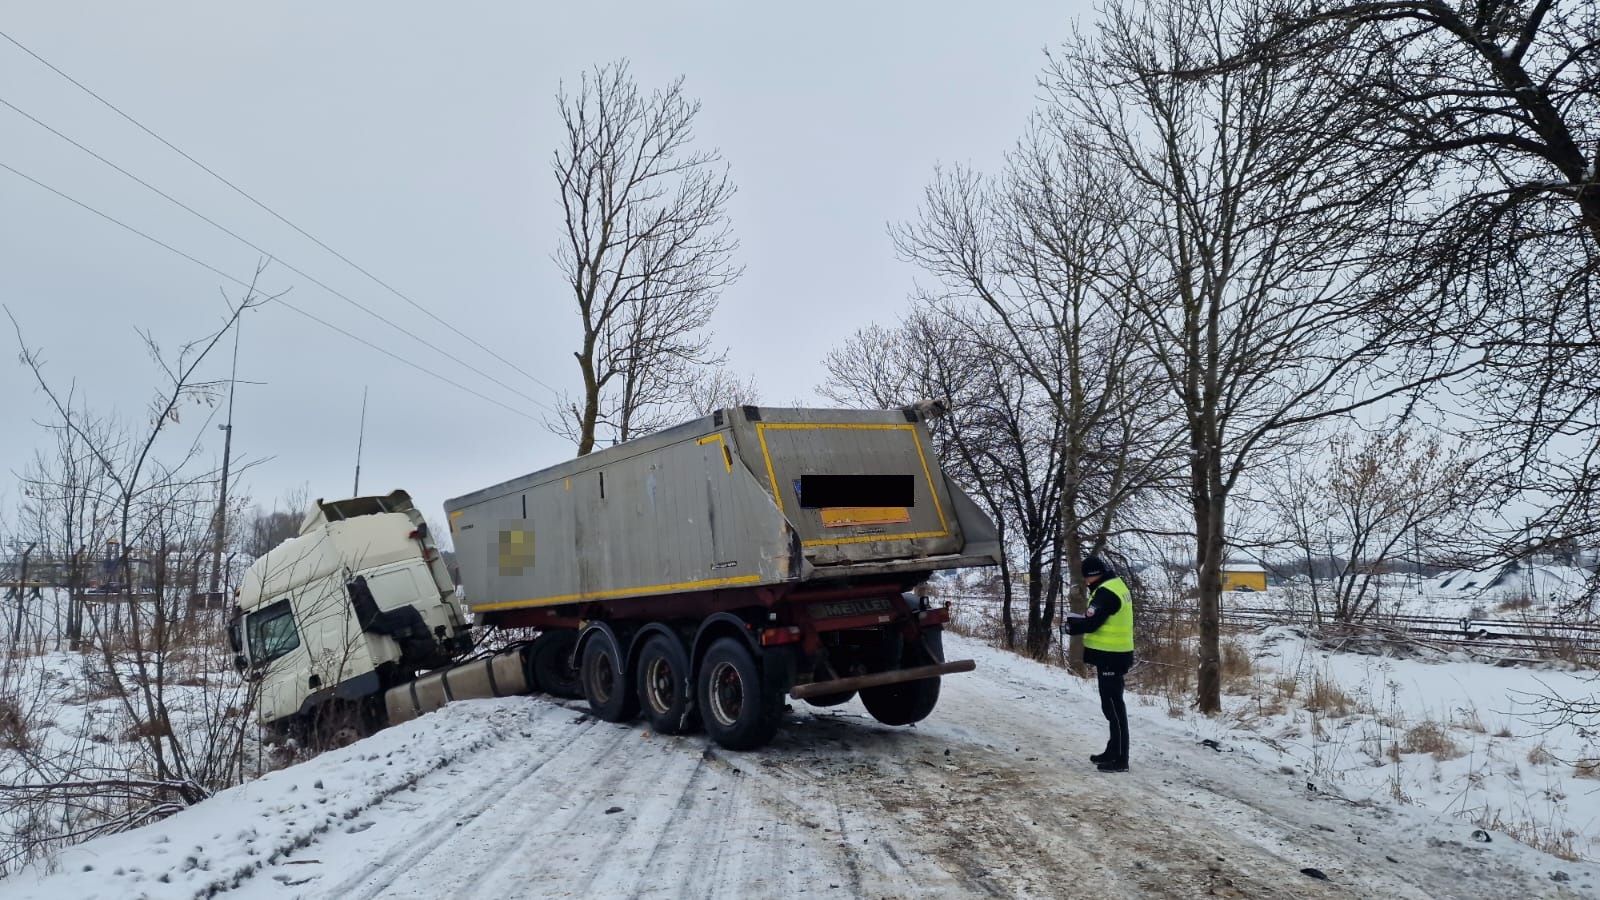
{"points": [[1243, 576]]}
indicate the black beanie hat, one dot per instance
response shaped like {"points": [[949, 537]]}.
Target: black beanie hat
{"points": [[1094, 567]]}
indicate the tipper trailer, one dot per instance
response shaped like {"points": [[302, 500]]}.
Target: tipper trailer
{"points": [[698, 575]]}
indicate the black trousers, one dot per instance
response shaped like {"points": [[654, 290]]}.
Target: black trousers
{"points": [[1116, 712]]}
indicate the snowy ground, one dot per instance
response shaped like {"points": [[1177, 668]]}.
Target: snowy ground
{"points": [[991, 796], [1459, 738]]}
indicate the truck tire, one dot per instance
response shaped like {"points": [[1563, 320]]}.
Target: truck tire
{"points": [[666, 689], [739, 708], [605, 682], [550, 666], [909, 701], [826, 700], [339, 723]]}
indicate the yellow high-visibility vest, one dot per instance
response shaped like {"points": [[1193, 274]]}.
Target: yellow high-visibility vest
{"points": [[1115, 635]]}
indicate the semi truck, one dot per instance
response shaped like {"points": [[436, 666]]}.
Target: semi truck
{"points": [[700, 576]]}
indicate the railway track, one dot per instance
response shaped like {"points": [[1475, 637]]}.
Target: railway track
{"points": [[1531, 634]]}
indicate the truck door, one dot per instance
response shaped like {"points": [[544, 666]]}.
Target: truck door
{"points": [[271, 637]]}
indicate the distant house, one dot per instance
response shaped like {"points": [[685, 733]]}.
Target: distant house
{"points": [[1243, 576]]}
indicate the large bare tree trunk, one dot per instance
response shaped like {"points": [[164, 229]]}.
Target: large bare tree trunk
{"points": [[1210, 549]]}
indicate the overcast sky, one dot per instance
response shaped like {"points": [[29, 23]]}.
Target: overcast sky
{"points": [[416, 140]]}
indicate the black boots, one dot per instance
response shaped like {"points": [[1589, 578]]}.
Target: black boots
{"points": [[1112, 764], [1100, 757]]}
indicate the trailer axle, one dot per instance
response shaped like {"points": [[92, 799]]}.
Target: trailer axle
{"points": [[878, 679]]}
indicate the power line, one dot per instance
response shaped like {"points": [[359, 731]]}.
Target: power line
{"points": [[246, 285], [274, 213], [265, 252]]}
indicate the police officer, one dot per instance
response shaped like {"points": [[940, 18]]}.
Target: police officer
{"points": [[1107, 629]]}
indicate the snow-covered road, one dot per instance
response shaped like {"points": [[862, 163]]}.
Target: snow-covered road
{"points": [[992, 796]]}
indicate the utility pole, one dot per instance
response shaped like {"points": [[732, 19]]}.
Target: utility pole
{"points": [[361, 439], [227, 452]]}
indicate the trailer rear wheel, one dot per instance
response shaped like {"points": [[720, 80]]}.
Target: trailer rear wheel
{"points": [[739, 708], [605, 682], [666, 692], [909, 701], [550, 664]]}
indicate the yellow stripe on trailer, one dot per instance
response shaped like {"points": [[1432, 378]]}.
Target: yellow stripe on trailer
{"points": [[703, 584]]}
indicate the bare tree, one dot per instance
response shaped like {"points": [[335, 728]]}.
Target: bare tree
{"points": [[66, 509], [1481, 120], [1254, 300], [266, 529], [716, 387], [872, 368], [1497, 99], [1037, 251], [1369, 502], [646, 248]]}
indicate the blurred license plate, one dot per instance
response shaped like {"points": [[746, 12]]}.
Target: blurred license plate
{"points": [[840, 608]]}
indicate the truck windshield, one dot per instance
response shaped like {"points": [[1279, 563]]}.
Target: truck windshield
{"points": [[272, 633]]}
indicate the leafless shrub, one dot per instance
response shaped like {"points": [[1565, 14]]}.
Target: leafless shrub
{"points": [[1287, 686], [1166, 656], [1324, 696], [646, 249], [977, 617], [1237, 664], [1366, 502], [1431, 738], [1469, 720], [14, 731]]}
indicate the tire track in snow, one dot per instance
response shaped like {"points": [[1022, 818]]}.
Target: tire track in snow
{"points": [[392, 824], [518, 771], [684, 804], [490, 738], [548, 835], [694, 824]]}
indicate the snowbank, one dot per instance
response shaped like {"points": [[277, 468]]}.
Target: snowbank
{"points": [[220, 842]]}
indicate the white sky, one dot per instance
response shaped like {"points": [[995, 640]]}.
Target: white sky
{"points": [[416, 138]]}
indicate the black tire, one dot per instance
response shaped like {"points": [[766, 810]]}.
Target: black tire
{"points": [[606, 684], [909, 701], [666, 687], [550, 666], [739, 709], [339, 723], [826, 700]]}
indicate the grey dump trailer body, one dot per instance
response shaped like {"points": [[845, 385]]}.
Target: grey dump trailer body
{"points": [[747, 498], [703, 573]]}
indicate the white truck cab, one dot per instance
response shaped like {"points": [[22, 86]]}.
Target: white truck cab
{"points": [[327, 621]]}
